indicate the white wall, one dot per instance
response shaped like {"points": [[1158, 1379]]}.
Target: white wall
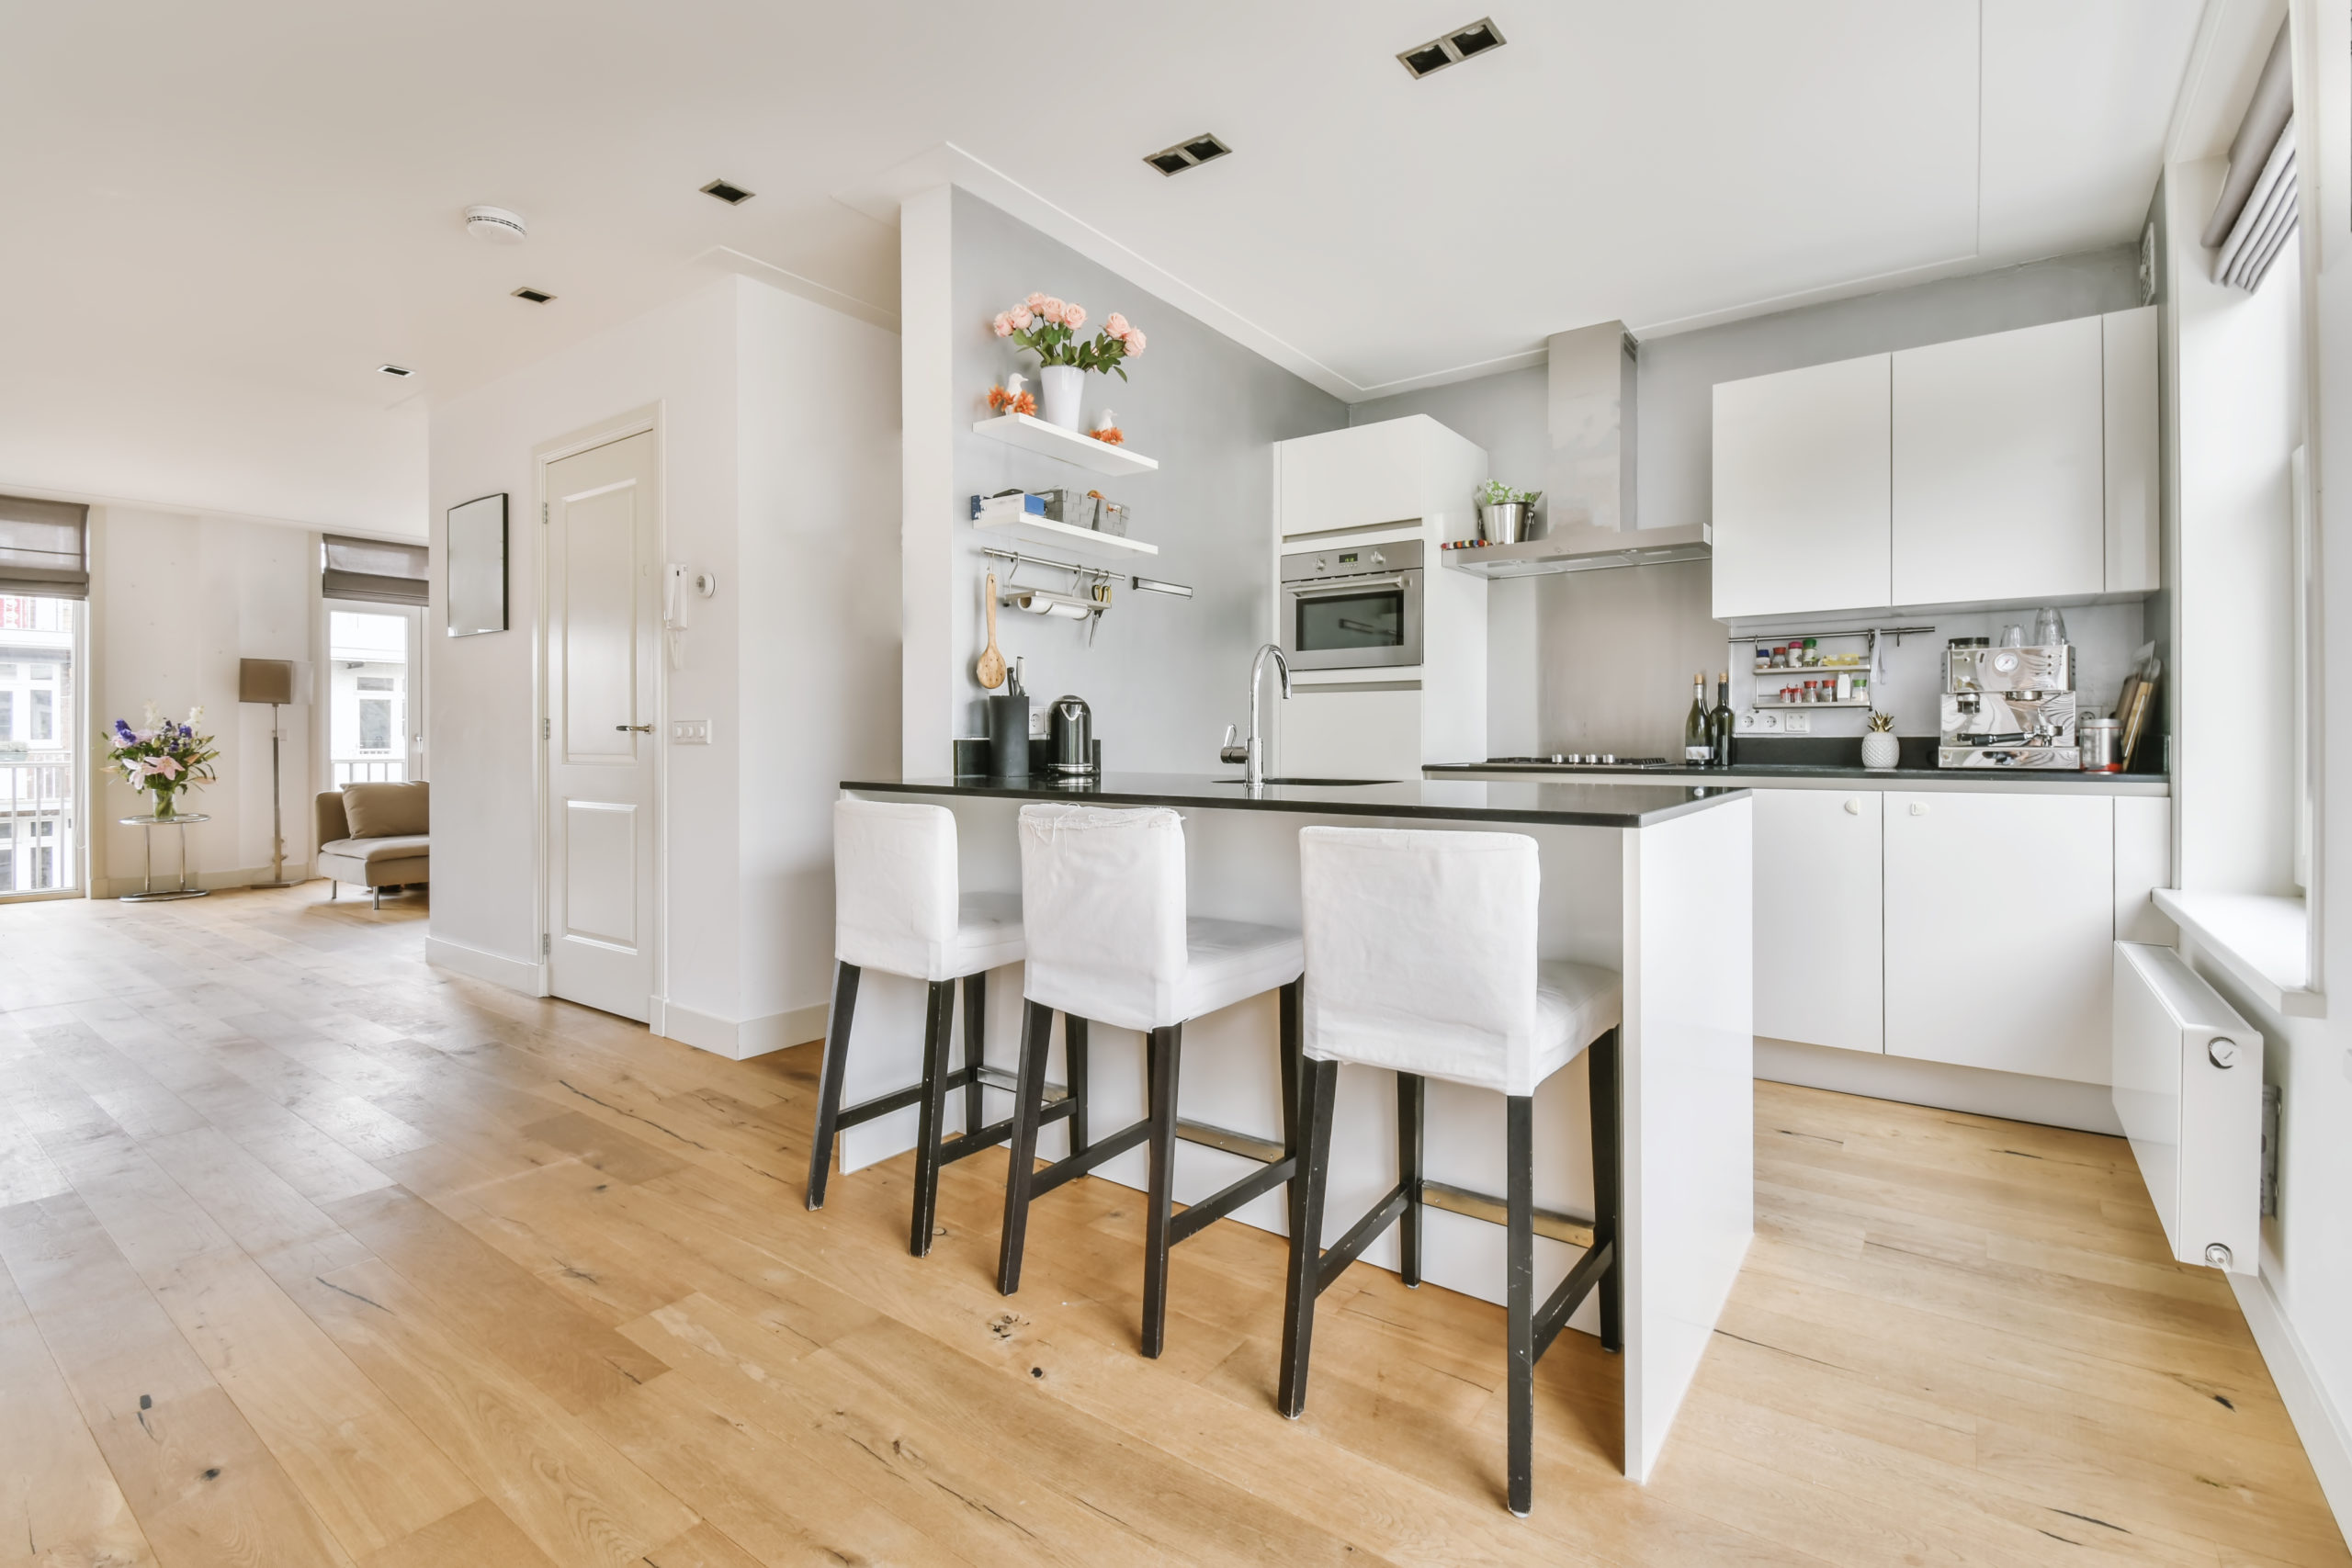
{"points": [[176, 600], [776, 422]]}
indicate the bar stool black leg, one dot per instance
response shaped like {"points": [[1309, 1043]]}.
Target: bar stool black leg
{"points": [[1021, 1171], [975, 1025], [1412, 1103], [1166, 1046], [1311, 1144], [938, 1024], [1520, 1293], [1074, 1044], [829, 1080], [1606, 1151]]}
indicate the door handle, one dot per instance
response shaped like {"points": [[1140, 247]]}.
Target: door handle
{"points": [[637, 728], [1918, 808]]}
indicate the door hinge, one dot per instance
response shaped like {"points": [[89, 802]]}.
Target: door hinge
{"points": [[543, 512], [547, 945], [546, 729]]}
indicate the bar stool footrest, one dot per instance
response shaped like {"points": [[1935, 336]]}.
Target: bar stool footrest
{"points": [[1208, 1211], [1553, 1315], [897, 1099], [1072, 1167], [1348, 1248]]}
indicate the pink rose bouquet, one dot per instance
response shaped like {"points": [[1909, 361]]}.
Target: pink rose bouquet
{"points": [[1049, 329]]}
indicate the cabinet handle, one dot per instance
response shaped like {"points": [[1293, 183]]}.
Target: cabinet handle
{"points": [[1854, 808], [1918, 808]]}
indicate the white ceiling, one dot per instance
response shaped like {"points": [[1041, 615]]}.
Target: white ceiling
{"points": [[263, 196]]}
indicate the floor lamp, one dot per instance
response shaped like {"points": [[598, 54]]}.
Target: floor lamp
{"points": [[270, 681]]}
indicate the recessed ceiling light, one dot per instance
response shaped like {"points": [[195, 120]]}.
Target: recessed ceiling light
{"points": [[1188, 153], [497, 225], [1454, 48], [394, 370], [533, 295], [733, 196]]}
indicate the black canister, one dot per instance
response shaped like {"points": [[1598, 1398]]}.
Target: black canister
{"points": [[1008, 735], [1069, 738]]}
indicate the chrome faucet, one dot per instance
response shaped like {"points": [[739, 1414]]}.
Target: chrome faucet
{"points": [[1252, 755]]}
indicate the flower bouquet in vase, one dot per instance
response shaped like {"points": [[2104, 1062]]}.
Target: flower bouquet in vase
{"points": [[1048, 328], [163, 759]]}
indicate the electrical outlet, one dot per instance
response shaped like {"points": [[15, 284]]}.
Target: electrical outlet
{"points": [[690, 732], [1797, 723], [1755, 721]]}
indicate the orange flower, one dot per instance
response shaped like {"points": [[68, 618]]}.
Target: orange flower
{"points": [[1110, 435]]}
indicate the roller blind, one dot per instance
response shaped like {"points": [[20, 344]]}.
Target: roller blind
{"points": [[375, 570], [44, 548], [2256, 214]]}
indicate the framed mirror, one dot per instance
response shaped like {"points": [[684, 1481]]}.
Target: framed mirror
{"points": [[478, 565]]}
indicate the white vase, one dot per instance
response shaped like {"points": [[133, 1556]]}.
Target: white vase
{"points": [[1881, 750], [1064, 390]]}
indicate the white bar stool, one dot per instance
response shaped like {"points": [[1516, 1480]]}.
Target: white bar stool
{"points": [[1104, 906], [1420, 958], [897, 907]]}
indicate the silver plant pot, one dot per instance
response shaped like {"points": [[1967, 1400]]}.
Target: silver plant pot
{"points": [[1507, 523]]}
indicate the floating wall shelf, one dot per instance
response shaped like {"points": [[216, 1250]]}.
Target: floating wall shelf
{"points": [[1032, 434], [1068, 536]]}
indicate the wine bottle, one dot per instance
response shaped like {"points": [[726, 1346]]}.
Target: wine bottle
{"points": [[1698, 743], [1723, 724]]}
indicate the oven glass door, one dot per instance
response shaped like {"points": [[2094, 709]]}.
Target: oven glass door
{"points": [[1340, 625]]}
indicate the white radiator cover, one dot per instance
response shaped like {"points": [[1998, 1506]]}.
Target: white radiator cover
{"points": [[2187, 1078]]}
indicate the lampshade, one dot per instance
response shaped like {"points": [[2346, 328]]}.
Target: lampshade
{"points": [[264, 679]]}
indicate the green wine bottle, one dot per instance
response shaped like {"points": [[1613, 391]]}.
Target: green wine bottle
{"points": [[1698, 731], [1723, 724]]}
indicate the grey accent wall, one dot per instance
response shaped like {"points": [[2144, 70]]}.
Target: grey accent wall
{"points": [[1611, 653], [1164, 676]]}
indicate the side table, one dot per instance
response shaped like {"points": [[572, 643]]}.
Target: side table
{"points": [[148, 892]]}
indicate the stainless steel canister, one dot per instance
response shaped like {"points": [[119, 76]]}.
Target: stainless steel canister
{"points": [[2102, 743], [1507, 522]]}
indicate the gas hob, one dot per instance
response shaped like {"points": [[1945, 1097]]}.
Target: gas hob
{"points": [[1583, 760]]}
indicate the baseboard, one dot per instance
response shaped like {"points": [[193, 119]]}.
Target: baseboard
{"points": [[752, 1037], [2013, 1097], [515, 974], [210, 881], [2318, 1423]]}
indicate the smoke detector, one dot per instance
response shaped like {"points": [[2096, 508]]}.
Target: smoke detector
{"points": [[496, 225]]}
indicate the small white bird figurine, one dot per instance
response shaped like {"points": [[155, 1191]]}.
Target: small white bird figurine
{"points": [[1013, 383]]}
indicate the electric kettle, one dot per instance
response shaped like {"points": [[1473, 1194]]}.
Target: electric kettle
{"points": [[1070, 739]]}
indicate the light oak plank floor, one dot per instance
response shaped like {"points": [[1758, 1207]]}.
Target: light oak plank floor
{"points": [[312, 1254]]}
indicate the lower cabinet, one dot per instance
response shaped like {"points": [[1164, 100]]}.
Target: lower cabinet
{"points": [[1819, 968], [2000, 915]]}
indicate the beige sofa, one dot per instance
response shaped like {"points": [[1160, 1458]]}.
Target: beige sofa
{"points": [[377, 835]]}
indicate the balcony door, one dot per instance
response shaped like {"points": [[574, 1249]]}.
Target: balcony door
{"points": [[43, 747], [373, 694]]}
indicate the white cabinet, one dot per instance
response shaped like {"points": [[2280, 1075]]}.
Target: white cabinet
{"points": [[1999, 466], [1397, 472], [2129, 341], [1818, 919], [1801, 490], [2000, 912]]}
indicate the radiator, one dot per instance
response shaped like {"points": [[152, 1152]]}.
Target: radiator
{"points": [[2187, 1078]]}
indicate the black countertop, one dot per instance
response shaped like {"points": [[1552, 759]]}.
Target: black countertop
{"points": [[1761, 772], [1569, 804]]}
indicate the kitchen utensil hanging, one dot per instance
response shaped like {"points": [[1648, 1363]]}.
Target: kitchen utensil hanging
{"points": [[1085, 597]]}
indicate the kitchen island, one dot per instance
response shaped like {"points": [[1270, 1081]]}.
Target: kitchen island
{"points": [[1650, 880]]}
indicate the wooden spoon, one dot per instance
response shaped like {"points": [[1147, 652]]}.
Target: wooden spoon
{"points": [[991, 666]]}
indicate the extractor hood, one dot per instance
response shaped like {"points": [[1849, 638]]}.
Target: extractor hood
{"points": [[1588, 495]]}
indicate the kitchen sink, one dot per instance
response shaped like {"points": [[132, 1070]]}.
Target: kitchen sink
{"points": [[1318, 782]]}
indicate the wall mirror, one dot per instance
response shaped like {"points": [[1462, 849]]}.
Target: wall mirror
{"points": [[477, 567]]}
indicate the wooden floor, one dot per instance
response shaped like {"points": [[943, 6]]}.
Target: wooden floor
{"points": [[315, 1255]]}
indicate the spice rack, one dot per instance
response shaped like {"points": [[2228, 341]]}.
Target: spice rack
{"points": [[1763, 671]]}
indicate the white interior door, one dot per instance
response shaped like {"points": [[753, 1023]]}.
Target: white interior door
{"points": [[602, 660]]}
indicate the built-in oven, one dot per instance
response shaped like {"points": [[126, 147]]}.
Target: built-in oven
{"points": [[1353, 606]]}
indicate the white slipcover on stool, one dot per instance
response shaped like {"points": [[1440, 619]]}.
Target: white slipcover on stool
{"points": [[897, 907], [1420, 958], [1110, 940]]}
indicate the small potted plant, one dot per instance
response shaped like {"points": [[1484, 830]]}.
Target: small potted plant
{"points": [[1881, 750], [1506, 516], [1048, 328]]}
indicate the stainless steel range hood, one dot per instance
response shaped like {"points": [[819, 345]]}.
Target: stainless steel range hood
{"points": [[1588, 495]]}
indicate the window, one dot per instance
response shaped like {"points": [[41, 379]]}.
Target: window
{"points": [[7, 715], [44, 672], [375, 683], [375, 724], [44, 715]]}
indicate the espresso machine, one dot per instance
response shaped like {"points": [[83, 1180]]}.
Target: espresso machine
{"points": [[2009, 708]]}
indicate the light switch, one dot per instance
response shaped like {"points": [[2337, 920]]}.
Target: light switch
{"points": [[690, 732], [1798, 723]]}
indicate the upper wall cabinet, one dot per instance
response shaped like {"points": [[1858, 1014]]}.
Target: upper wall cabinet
{"points": [[1801, 490], [2006, 469], [1399, 470], [2133, 563], [1999, 488]]}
